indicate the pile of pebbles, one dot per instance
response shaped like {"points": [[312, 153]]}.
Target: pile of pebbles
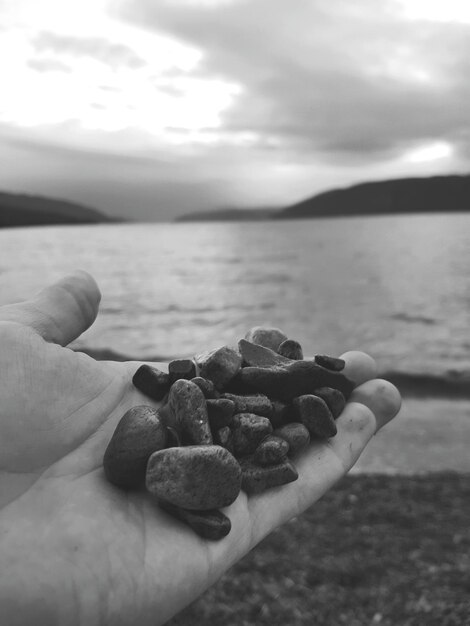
{"points": [[230, 419]]}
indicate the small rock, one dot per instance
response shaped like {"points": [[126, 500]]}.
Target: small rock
{"points": [[333, 398], [316, 416], [291, 349], [139, 433], [212, 525], [330, 362], [219, 366], [296, 435], [271, 451], [248, 431], [267, 337], [173, 439], [220, 412], [189, 412], [181, 368], [207, 387], [223, 437], [151, 381], [282, 413], [258, 404], [255, 355], [194, 477], [256, 479]]}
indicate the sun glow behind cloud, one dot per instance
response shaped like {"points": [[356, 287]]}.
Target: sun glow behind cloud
{"points": [[49, 80]]}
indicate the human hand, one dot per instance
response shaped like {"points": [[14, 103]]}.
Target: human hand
{"points": [[76, 550]]}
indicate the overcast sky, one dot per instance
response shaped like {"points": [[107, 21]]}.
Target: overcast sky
{"points": [[153, 108]]}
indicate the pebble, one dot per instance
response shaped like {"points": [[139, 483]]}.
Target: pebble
{"points": [[219, 366], [259, 404], [282, 413], [291, 349], [212, 525], [248, 431], [194, 477], [296, 435], [271, 450], [151, 381], [330, 362], [207, 387], [139, 433], [258, 356], [181, 368], [314, 413], [220, 412], [223, 437], [189, 412], [295, 379], [173, 439], [333, 398], [256, 479], [267, 337]]}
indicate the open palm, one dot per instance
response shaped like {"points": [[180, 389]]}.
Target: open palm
{"points": [[75, 550]]}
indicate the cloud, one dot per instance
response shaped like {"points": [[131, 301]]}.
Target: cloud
{"points": [[48, 65], [112, 54]]}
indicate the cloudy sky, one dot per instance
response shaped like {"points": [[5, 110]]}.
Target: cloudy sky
{"points": [[153, 108]]}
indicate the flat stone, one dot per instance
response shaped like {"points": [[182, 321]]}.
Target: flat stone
{"points": [[291, 349], [333, 398], [295, 379], [194, 477], [258, 356], [296, 435], [314, 413], [207, 387], [189, 412], [212, 525], [181, 368], [266, 336], [248, 431], [220, 412], [219, 366], [152, 382], [256, 479], [258, 404], [271, 451], [330, 362], [138, 434]]}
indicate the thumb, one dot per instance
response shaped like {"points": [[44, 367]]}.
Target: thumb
{"points": [[61, 312]]}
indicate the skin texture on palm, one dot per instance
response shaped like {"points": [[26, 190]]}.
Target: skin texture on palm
{"points": [[74, 549]]}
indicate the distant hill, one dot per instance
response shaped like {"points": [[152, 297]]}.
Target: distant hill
{"points": [[405, 195], [24, 210], [228, 215]]}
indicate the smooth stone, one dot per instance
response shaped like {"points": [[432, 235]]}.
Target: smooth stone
{"points": [[271, 451], [265, 336], [333, 398], [220, 412], [295, 379], [330, 362], [219, 366], [194, 477], [248, 431], [223, 437], [296, 435], [314, 413], [291, 349], [256, 355], [151, 381], [256, 479], [207, 387], [189, 412], [138, 434], [258, 404], [181, 368], [212, 525]]}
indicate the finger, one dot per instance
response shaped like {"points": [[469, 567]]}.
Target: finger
{"points": [[319, 469], [381, 397], [61, 312], [359, 367]]}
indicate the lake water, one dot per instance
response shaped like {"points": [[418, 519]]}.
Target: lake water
{"points": [[397, 287]]}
